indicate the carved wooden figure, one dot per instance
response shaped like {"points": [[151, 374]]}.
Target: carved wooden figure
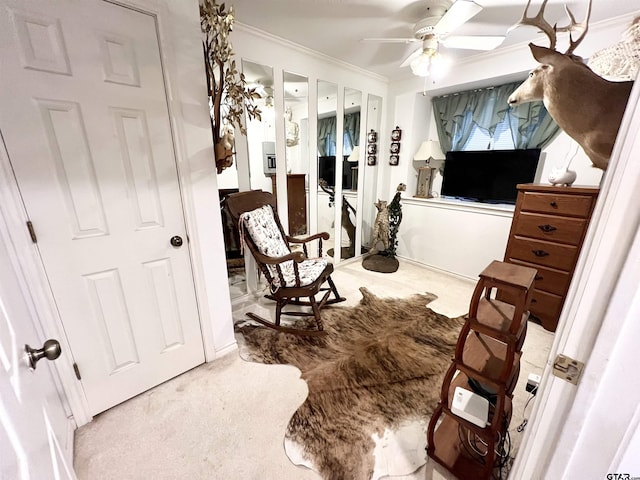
{"points": [[586, 106]]}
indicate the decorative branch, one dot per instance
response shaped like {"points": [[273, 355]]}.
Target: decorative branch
{"points": [[227, 88]]}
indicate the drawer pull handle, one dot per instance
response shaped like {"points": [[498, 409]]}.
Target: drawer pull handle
{"points": [[554, 204], [533, 300], [539, 277], [547, 228], [540, 253]]}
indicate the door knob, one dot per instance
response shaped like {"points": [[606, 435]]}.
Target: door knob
{"points": [[50, 350], [176, 241]]}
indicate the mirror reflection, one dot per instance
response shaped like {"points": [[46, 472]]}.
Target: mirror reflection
{"points": [[350, 167], [370, 167], [261, 151], [296, 118], [327, 131], [261, 134]]}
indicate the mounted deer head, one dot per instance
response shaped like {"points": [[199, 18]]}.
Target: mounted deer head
{"points": [[586, 106]]}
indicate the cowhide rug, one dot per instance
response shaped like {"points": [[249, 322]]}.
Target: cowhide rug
{"points": [[379, 367]]}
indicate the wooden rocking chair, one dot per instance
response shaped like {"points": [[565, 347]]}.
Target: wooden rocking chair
{"points": [[291, 275]]}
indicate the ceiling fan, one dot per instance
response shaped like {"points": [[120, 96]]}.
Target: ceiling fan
{"points": [[443, 17]]}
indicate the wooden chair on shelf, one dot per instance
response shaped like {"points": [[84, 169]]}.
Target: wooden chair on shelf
{"points": [[291, 275]]}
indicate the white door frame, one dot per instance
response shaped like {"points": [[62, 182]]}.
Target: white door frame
{"points": [[598, 314], [185, 83]]}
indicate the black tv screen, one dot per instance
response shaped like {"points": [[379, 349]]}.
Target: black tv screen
{"points": [[327, 169], [488, 176]]}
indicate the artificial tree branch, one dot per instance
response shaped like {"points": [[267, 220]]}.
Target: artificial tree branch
{"points": [[231, 98]]}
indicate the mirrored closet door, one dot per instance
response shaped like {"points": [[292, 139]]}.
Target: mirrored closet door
{"points": [[369, 168], [327, 143], [261, 164], [350, 167], [296, 123], [261, 134]]}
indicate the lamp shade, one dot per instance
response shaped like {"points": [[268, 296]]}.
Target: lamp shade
{"points": [[429, 149], [355, 154]]}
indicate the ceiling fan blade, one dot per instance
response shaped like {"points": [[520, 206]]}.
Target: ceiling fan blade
{"points": [[472, 42], [415, 54], [390, 40], [460, 12]]}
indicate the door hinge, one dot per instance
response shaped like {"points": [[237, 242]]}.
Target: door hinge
{"points": [[32, 232], [567, 368], [77, 370]]}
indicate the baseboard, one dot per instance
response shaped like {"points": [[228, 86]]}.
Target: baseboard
{"points": [[232, 347], [436, 269]]}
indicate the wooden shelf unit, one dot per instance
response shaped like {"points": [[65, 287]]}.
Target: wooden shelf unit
{"points": [[487, 358]]}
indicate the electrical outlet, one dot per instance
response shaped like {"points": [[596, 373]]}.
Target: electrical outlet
{"points": [[533, 382]]}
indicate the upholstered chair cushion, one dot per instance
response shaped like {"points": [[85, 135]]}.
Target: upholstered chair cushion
{"points": [[260, 224]]}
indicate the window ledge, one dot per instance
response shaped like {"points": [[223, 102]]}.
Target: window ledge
{"points": [[500, 209]]}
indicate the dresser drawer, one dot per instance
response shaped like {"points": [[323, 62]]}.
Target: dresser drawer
{"points": [[540, 252], [552, 228], [546, 307], [557, 203], [548, 279]]}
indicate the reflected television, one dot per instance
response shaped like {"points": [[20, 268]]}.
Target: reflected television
{"points": [[488, 176], [327, 169]]}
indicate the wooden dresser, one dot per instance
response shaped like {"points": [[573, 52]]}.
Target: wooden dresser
{"points": [[548, 228]]}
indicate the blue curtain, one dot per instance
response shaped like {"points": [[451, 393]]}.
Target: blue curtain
{"points": [[351, 131], [456, 114], [327, 134]]}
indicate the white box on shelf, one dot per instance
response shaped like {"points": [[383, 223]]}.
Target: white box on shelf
{"points": [[470, 406]]}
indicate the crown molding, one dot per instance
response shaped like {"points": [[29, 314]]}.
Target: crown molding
{"points": [[248, 29]]}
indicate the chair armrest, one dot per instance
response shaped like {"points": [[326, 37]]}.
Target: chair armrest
{"points": [[315, 236], [295, 256]]}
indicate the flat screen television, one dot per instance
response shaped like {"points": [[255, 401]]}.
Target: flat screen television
{"points": [[488, 176]]}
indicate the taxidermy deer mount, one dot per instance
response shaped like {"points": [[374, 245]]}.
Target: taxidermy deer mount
{"points": [[586, 106]]}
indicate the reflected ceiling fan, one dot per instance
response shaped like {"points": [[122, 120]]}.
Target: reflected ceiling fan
{"points": [[443, 17]]}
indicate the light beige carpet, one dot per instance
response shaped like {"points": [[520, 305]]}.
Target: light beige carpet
{"points": [[227, 419]]}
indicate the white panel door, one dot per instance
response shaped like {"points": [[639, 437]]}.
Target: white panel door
{"points": [[83, 112], [34, 422]]}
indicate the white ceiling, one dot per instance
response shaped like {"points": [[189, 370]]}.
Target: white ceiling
{"points": [[337, 27]]}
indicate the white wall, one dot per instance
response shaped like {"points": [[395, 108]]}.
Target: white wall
{"points": [[458, 238], [181, 43]]}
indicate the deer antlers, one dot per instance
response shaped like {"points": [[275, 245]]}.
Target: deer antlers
{"points": [[551, 31]]}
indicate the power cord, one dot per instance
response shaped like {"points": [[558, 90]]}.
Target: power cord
{"points": [[478, 449], [520, 428]]}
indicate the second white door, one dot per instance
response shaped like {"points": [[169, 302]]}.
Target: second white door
{"points": [[83, 113]]}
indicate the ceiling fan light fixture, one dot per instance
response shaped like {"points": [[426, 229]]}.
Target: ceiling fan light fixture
{"points": [[421, 65]]}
